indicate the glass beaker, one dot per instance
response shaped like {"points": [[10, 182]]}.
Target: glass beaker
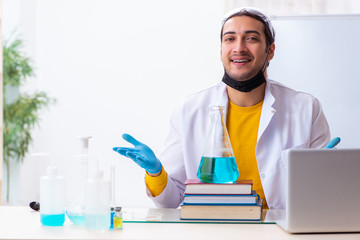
{"points": [[218, 164]]}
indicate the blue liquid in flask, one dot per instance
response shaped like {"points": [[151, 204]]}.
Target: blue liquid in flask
{"points": [[218, 170], [77, 218]]}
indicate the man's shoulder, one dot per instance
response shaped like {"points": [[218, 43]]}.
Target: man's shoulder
{"points": [[279, 89], [198, 103], [206, 94]]}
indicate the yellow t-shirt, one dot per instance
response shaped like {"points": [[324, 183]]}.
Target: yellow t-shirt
{"points": [[243, 124]]}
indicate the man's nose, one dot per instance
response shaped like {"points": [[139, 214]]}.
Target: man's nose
{"points": [[240, 46]]}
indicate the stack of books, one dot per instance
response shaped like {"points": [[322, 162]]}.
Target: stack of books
{"points": [[222, 202]]}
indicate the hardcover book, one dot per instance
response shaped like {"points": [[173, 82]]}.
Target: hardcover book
{"points": [[195, 186], [224, 212]]}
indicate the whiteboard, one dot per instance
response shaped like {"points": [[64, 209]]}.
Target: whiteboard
{"points": [[320, 55]]}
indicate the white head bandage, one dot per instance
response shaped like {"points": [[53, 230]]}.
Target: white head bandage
{"points": [[250, 10]]}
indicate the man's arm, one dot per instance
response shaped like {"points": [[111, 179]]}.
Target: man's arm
{"points": [[320, 132]]}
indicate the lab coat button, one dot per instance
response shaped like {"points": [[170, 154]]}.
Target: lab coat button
{"points": [[262, 175]]}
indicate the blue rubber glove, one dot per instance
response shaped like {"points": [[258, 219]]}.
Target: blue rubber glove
{"points": [[141, 154]]}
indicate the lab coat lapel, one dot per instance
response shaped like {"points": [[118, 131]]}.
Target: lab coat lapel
{"points": [[221, 98], [267, 111]]}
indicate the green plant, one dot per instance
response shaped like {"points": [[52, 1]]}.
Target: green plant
{"points": [[21, 115]]}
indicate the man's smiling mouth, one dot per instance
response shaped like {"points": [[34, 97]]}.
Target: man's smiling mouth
{"points": [[240, 61]]}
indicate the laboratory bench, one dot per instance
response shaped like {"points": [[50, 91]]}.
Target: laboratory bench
{"points": [[20, 222]]}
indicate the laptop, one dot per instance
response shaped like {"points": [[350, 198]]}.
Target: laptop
{"points": [[323, 191]]}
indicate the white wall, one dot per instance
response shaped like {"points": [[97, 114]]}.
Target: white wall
{"points": [[114, 67]]}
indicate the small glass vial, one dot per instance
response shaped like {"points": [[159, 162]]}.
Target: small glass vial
{"points": [[118, 221], [112, 213]]}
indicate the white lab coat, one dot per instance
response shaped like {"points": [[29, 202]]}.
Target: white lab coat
{"points": [[289, 119]]}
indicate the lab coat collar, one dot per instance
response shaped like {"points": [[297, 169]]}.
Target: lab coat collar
{"points": [[223, 99], [267, 111], [220, 98]]}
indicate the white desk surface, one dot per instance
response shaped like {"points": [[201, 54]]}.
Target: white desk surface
{"points": [[23, 223]]}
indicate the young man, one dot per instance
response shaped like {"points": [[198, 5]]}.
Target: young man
{"points": [[263, 118]]}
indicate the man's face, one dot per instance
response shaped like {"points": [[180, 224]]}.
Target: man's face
{"points": [[243, 47]]}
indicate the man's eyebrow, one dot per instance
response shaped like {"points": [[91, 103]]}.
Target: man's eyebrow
{"points": [[230, 32], [246, 32], [253, 31]]}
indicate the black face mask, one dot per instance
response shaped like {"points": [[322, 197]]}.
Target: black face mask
{"points": [[245, 86]]}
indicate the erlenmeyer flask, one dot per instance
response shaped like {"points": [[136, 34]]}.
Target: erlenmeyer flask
{"points": [[218, 163], [76, 208]]}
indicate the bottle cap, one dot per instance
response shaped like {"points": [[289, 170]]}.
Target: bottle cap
{"points": [[118, 209], [52, 171], [85, 143]]}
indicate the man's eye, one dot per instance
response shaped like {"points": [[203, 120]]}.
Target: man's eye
{"points": [[252, 38], [228, 39]]}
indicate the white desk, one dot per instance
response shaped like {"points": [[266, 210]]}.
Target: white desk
{"points": [[23, 223]]}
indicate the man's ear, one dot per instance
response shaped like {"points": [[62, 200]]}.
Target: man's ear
{"points": [[271, 52], [220, 54]]}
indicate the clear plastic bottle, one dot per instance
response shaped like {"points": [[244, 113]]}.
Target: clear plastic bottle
{"points": [[97, 203], [218, 164], [52, 198], [76, 208]]}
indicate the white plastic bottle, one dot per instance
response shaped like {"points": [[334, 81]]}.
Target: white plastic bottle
{"points": [[97, 203], [52, 198]]}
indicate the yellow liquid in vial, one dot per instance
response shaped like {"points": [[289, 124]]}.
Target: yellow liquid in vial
{"points": [[118, 222]]}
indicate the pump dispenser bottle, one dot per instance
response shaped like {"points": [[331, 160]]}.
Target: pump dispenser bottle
{"points": [[52, 198], [97, 202]]}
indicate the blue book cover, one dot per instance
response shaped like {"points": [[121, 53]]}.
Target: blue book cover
{"points": [[218, 199]]}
